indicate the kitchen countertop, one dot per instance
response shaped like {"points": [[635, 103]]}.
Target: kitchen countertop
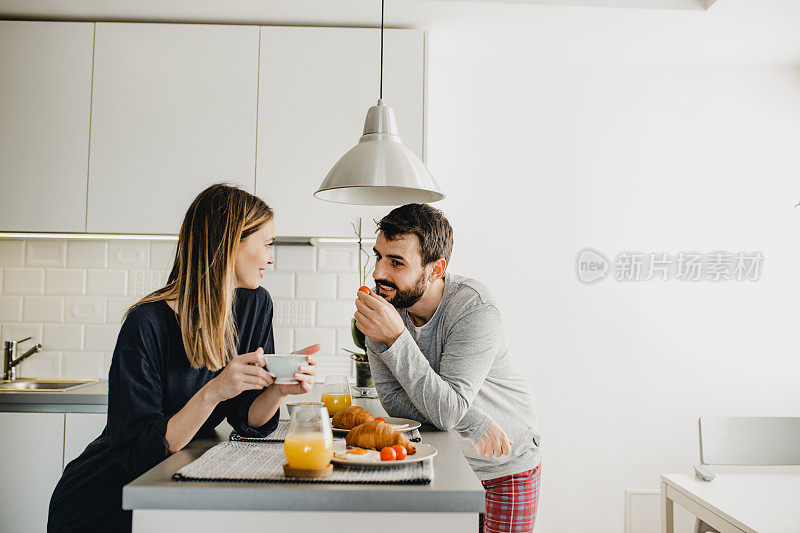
{"points": [[92, 398], [455, 488]]}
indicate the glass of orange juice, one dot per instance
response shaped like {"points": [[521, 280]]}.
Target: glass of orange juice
{"points": [[336, 394], [309, 439]]}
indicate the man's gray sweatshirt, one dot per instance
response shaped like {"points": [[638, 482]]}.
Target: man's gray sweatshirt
{"points": [[455, 372]]}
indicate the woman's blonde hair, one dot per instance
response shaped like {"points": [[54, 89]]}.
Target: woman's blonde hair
{"points": [[203, 278]]}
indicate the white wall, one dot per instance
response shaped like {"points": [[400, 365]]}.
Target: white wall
{"points": [[544, 150], [556, 128]]}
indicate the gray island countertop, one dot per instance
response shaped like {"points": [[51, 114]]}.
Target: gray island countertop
{"points": [[454, 488]]}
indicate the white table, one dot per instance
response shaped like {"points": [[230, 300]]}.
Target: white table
{"points": [[734, 503]]}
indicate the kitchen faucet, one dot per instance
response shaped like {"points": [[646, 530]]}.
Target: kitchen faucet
{"points": [[10, 362]]}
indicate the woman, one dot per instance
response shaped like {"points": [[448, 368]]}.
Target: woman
{"points": [[187, 356]]}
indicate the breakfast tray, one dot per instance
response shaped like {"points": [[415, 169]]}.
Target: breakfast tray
{"points": [[263, 462], [279, 435]]}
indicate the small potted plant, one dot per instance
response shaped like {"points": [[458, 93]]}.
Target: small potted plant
{"points": [[363, 374]]}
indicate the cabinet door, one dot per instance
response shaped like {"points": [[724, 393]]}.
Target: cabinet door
{"points": [[79, 430], [45, 94], [31, 451], [173, 111], [315, 87]]}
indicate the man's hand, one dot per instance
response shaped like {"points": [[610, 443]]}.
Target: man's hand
{"points": [[494, 442], [378, 319]]}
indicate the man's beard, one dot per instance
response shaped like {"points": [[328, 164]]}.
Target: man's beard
{"points": [[405, 299]]}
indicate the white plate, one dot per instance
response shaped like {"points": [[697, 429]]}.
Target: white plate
{"points": [[400, 424], [373, 458]]}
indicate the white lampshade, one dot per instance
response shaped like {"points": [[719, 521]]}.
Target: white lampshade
{"points": [[380, 169]]}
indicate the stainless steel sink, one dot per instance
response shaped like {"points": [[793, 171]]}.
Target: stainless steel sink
{"points": [[44, 385]]}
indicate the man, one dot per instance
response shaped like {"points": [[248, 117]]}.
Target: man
{"points": [[438, 354]]}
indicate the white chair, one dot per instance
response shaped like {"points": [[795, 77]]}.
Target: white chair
{"points": [[746, 441]]}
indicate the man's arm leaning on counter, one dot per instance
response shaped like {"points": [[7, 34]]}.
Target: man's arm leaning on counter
{"points": [[445, 399]]}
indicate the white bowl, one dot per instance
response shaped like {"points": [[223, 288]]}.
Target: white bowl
{"points": [[284, 366]]}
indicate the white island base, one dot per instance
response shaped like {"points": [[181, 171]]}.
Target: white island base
{"points": [[199, 521]]}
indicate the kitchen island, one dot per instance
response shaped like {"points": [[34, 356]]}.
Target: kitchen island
{"points": [[450, 503]]}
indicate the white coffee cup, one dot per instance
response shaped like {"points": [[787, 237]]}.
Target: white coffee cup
{"points": [[284, 366]]}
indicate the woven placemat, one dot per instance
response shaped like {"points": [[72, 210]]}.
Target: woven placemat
{"points": [[279, 435], [263, 462]]}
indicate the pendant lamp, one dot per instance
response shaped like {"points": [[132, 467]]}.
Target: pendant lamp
{"points": [[380, 169]]}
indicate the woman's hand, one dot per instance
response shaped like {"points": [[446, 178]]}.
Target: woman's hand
{"points": [[306, 376], [243, 372]]}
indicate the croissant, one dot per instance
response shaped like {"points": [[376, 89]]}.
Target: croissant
{"points": [[377, 435], [351, 417]]}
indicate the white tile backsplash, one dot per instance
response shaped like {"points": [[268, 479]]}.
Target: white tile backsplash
{"points": [[67, 282], [279, 284], [12, 252], [335, 313], [43, 309], [333, 365], [344, 339], [23, 281], [347, 285], [303, 258], [63, 337], [106, 282], [338, 258], [162, 254], [293, 313], [143, 282], [314, 285], [70, 296], [129, 254], [17, 332], [45, 364], [326, 338], [83, 365], [10, 308], [116, 307], [101, 337], [87, 254], [41, 253], [85, 310], [284, 340]]}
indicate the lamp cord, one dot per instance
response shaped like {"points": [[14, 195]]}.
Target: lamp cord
{"points": [[381, 84]]}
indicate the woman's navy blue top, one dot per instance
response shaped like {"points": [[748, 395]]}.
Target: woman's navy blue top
{"points": [[150, 380]]}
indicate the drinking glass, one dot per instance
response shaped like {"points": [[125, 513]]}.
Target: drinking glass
{"points": [[309, 439], [336, 394]]}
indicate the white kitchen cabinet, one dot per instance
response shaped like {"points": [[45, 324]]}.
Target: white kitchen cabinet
{"points": [[45, 95], [315, 86], [31, 453], [173, 111], [79, 430]]}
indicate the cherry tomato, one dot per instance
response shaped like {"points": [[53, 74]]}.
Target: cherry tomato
{"points": [[379, 419], [400, 450], [364, 288], [388, 454]]}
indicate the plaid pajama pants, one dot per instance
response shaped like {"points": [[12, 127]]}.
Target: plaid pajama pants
{"points": [[511, 503]]}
